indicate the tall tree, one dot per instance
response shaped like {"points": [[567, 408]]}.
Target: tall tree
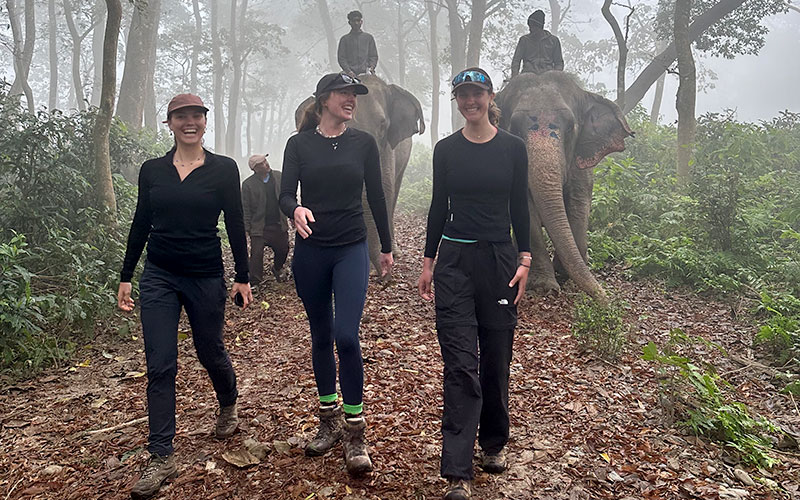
{"points": [[239, 53], [102, 157], [97, 50], [23, 49], [198, 37], [77, 41], [433, 15], [52, 24], [622, 47], [219, 91], [658, 96], [687, 89], [142, 38], [327, 24]]}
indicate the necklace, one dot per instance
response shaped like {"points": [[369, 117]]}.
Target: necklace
{"points": [[186, 163], [334, 144]]}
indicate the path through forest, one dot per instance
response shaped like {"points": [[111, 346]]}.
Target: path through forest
{"points": [[582, 428]]}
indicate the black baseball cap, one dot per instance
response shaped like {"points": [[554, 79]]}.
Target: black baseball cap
{"points": [[336, 81]]}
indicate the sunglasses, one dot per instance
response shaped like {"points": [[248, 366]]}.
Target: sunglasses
{"points": [[471, 76], [349, 79]]}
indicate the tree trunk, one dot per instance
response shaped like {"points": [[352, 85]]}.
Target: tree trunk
{"points": [[433, 15], [687, 89], [150, 106], [52, 98], [555, 16], [232, 139], [97, 51], [327, 25], [198, 33], [476, 20], [23, 49], [622, 46], [651, 73], [458, 56], [655, 111], [401, 47], [142, 37], [77, 84], [219, 91], [102, 126]]}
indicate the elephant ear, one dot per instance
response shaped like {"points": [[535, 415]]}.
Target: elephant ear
{"points": [[405, 115], [602, 132], [298, 113]]}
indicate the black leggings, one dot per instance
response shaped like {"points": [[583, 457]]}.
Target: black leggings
{"points": [[322, 274]]}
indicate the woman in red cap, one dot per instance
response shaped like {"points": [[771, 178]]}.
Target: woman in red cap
{"points": [[180, 198], [333, 163], [480, 190]]}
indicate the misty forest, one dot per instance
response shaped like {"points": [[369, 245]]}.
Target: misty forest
{"points": [[657, 349]]}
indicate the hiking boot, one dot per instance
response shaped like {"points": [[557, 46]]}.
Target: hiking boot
{"points": [[356, 457], [227, 422], [157, 471], [494, 463], [281, 275], [458, 489], [330, 431]]}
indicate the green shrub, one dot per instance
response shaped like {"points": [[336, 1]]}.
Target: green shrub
{"points": [[599, 328]]}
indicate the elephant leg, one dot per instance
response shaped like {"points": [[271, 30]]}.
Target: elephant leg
{"points": [[541, 279], [402, 153], [578, 200], [373, 241]]}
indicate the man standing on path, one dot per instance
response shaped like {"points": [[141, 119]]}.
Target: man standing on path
{"points": [[357, 51], [539, 50], [263, 220]]}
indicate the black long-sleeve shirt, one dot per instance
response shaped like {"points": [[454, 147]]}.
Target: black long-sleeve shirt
{"points": [[357, 52], [332, 173], [178, 219], [479, 191]]}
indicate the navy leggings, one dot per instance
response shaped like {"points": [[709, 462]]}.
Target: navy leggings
{"points": [[320, 275]]}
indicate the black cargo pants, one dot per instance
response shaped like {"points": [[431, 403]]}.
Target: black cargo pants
{"points": [[475, 313]]}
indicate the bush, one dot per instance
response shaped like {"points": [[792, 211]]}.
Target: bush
{"points": [[599, 328], [59, 263]]}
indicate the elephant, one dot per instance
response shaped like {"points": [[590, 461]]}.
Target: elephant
{"points": [[392, 115], [567, 131]]}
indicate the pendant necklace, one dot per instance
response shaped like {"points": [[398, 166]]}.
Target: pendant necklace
{"points": [[334, 144]]}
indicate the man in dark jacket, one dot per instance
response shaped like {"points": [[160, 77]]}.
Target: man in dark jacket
{"points": [[357, 51], [263, 220], [539, 51]]}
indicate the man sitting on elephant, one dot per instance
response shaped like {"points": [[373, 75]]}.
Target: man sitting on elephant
{"points": [[539, 50], [358, 54]]}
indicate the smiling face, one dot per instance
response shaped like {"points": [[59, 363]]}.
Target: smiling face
{"points": [[340, 104], [473, 102], [188, 125]]}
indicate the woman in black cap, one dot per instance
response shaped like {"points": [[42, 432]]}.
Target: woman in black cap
{"points": [[480, 190], [332, 162], [180, 198]]}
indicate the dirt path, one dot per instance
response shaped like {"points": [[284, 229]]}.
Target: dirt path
{"points": [[581, 428]]}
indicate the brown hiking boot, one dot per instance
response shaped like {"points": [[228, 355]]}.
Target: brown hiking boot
{"points": [[494, 463], [157, 471], [330, 431], [458, 489], [356, 457], [227, 422]]}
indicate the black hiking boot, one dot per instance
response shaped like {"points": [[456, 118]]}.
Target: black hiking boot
{"points": [[227, 422], [157, 471], [356, 456], [494, 463], [330, 431], [458, 489]]}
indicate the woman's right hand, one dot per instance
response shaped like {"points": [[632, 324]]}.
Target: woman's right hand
{"points": [[302, 218], [124, 300], [426, 279]]}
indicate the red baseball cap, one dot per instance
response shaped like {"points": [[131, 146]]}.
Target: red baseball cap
{"points": [[181, 101]]}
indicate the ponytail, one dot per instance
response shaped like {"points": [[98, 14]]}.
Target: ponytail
{"points": [[494, 114], [312, 114]]}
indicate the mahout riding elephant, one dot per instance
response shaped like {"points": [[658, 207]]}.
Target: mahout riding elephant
{"points": [[567, 131], [392, 115]]}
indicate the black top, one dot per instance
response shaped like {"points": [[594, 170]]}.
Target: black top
{"points": [[539, 52], [479, 190], [180, 218], [357, 52], [331, 173]]}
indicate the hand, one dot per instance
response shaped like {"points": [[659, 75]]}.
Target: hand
{"points": [[521, 278], [244, 289], [386, 261], [302, 218], [425, 280], [124, 300]]}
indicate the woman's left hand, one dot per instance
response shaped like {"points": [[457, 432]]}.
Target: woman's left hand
{"points": [[386, 261], [244, 289], [521, 278]]}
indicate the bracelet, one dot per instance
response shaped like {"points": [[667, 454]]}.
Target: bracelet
{"points": [[526, 257], [523, 265]]}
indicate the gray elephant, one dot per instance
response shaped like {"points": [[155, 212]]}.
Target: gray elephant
{"points": [[567, 131], [392, 115]]}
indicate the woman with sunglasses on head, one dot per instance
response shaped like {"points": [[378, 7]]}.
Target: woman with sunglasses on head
{"points": [[333, 163], [480, 190], [180, 198]]}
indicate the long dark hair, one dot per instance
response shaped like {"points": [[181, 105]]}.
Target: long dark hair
{"points": [[313, 113]]}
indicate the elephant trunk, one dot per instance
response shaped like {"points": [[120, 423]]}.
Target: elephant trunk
{"points": [[546, 185]]}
